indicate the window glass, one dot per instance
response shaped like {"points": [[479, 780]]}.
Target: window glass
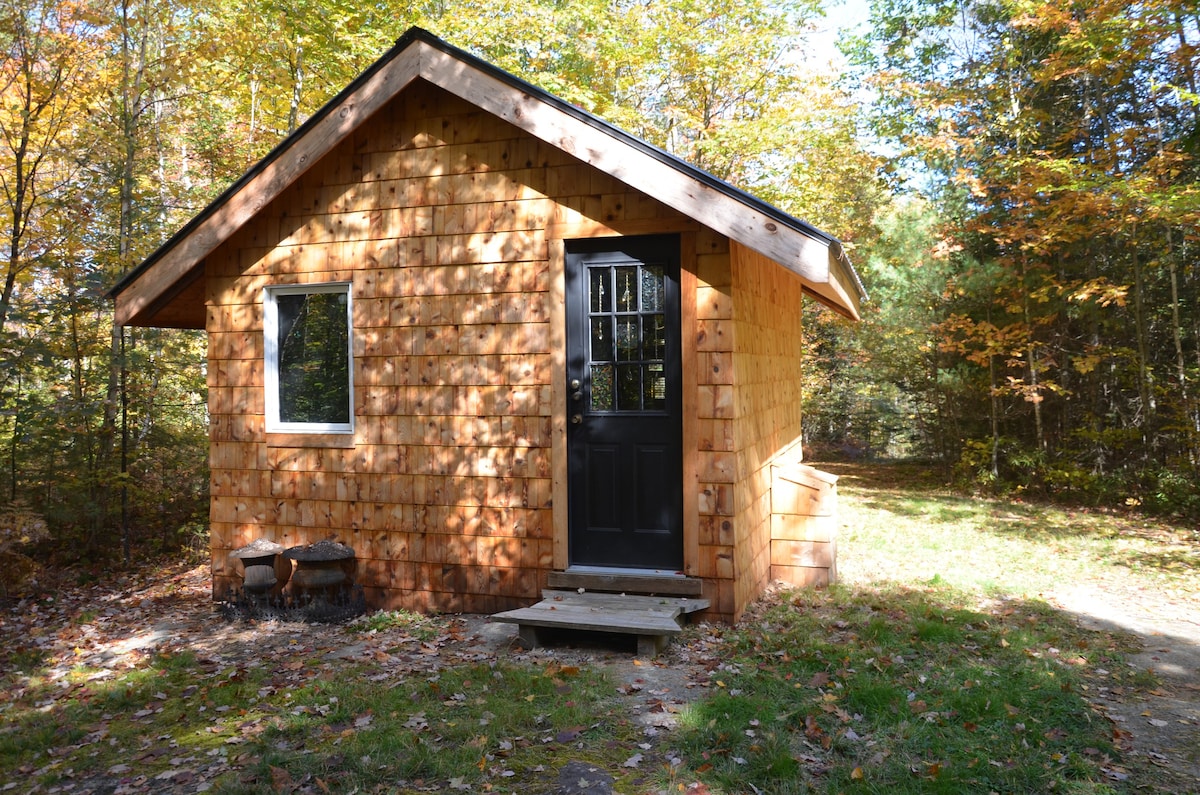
{"points": [[308, 367]]}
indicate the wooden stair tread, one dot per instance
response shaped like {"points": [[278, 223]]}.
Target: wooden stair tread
{"points": [[641, 622], [605, 612], [679, 605]]}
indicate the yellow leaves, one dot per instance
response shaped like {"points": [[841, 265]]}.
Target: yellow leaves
{"points": [[943, 249], [1100, 291], [1086, 363], [554, 670]]}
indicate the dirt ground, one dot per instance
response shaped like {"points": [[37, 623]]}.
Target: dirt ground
{"points": [[1163, 723], [1161, 728]]}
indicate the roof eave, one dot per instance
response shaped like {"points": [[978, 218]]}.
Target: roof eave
{"points": [[816, 256]]}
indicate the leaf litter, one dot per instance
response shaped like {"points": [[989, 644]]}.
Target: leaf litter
{"points": [[80, 638], [60, 642]]}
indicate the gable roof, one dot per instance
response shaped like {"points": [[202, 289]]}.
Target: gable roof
{"points": [[167, 288]]}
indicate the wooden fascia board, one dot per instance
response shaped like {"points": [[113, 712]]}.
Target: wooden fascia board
{"points": [[842, 292], [834, 296], [807, 256], [803, 254], [269, 181]]}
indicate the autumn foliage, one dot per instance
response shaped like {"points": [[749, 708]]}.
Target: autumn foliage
{"points": [[1043, 294], [1014, 179]]}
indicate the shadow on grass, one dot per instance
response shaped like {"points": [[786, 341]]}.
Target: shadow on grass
{"points": [[847, 690], [326, 715], [906, 690], [853, 690], [918, 491]]}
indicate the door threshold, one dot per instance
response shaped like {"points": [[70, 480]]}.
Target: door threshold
{"points": [[621, 580], [622, 571]]}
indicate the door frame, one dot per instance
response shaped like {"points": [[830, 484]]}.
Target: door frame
{"points": [[688, 286], [643, 524]]}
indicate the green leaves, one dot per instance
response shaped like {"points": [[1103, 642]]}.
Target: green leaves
{"points": [[1056, 143]]}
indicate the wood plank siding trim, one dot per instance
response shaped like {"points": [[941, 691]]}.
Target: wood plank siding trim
{"points": [[558, 402], [691, 402], [818, 258]]}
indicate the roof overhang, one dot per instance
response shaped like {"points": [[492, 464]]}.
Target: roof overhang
{"points": [[166, 289]]}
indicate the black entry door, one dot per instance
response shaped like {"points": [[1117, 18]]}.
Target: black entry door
{"points": [[624, 433]]}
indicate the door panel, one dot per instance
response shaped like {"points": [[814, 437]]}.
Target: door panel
{"points": [[624, 433]]}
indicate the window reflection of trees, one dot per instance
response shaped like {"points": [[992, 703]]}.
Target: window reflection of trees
{"points": [[314, 359]]}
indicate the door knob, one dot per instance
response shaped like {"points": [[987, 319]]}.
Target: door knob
{"points": [[575, 384], [576, 419]]}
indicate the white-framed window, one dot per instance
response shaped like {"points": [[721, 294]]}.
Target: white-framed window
{"points": [[309, 372]]}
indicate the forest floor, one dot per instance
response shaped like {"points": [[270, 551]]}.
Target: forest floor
{"points": [[114, 628]]}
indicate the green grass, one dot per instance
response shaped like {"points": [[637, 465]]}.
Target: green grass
{"points": [[900, 526], [902, 690], [466, 725], [936, 666]]}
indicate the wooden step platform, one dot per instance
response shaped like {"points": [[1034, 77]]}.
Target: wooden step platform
{"points": [[653, 619]]}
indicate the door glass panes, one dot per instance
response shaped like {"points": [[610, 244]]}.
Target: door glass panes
{"points": [[627, 288], [654, 336], [629, 387], [602, 387], [602, 344], [599, 291], [626, 304], [627, 338], [652, 288], [654, 384]]}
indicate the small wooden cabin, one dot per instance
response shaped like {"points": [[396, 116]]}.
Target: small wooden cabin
{"points": [[488, 340]]}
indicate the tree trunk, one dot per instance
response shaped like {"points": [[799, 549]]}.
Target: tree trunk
{"points": [[994, 404], [1144, 377], [1180, 362], [19, 207], [1031, 357], [297, 89], [133, 75]]}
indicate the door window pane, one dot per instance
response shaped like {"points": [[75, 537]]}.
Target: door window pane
{"points": [[654, 337], [654, 382], [629, 387], [628, 337], [599, 292], [602, 343], [627, 289], [652, 288], [602, 387]]}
